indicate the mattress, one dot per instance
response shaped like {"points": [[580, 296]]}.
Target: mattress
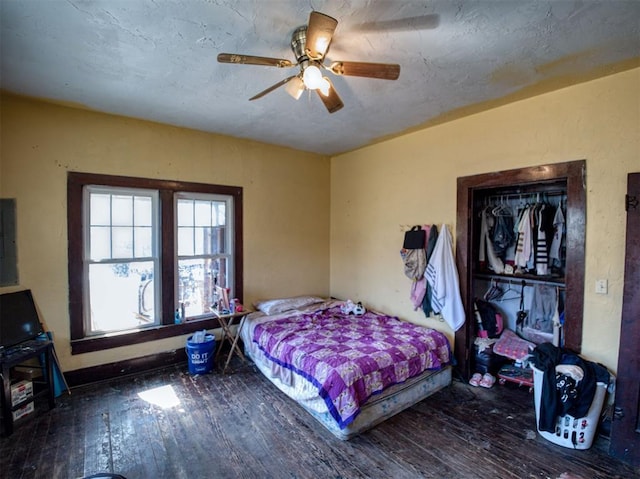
{"points": [[380, 406]]}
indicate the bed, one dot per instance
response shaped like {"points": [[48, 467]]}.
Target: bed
{"points": [[349, 372]]}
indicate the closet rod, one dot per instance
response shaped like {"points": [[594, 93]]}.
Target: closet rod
{"points": [[520, 281], [496, 197]]}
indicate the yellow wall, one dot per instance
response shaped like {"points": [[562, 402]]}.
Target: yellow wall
{"points": [[299, 207], [412, 180], [286, 202]]}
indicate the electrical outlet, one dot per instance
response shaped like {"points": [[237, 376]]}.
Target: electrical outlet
{"points": [[602, 286]]}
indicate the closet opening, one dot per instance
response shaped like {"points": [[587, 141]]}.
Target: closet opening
{"points": [[547, 194]]}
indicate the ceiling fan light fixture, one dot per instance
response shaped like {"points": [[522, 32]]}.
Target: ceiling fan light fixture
{"points": [[310, 43], [295, 87], [312, 77]]}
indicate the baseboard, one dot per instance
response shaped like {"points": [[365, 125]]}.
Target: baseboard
{"points": [[103, 372]]}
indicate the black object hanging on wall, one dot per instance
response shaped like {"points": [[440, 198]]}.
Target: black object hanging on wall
{"points": [[414, 238]]}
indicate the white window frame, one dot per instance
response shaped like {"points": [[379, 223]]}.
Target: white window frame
{"points": [[88, 261], [229, 255]]}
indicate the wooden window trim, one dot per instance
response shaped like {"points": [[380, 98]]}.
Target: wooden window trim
{"points": [[167, 188]]}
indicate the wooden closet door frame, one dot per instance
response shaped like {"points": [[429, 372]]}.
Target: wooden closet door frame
{"points": [[625, 434], [574, 173]]}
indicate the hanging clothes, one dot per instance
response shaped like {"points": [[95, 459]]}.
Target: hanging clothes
{"points": [[487, 250], [558, 224], [523, 247], [521, 241], [541, 243], [557, 323], [442, 275], [415, 262], [419, 283], [544, 304], [546, 220], [418, 292], [531, 263], [431, 244], [482, 252], [503, 236]]}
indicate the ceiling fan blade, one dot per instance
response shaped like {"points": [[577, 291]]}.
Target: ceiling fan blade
{"points": [[253, 60], [332, 101], [319, 33], [271, 88], [383, 71]]}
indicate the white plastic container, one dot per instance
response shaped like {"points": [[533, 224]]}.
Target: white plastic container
{"points": [[21, 391], [574, 433], [23, 411]]}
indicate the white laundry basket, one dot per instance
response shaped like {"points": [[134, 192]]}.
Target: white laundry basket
{"points": [[574, 433]]}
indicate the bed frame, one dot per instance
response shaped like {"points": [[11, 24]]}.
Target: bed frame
{"points": [[379, 407], [389, 403]]}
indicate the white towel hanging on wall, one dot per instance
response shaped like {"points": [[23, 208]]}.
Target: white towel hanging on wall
{"points": [[442, 275]]}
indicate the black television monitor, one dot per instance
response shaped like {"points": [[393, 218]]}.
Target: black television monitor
{"points": [[19, 321]]}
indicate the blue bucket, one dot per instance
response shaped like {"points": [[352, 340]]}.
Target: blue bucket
{"points": [[200, 355]]}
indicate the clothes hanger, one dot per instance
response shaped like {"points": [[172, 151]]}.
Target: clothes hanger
{"points": [[494, 292], [502, 210], [510, 290]]}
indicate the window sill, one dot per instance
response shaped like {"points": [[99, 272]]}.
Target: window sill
{"points": [[99, 343]]}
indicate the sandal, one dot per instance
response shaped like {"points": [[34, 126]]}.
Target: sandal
{"points": [[475, 379], [487, 381]]}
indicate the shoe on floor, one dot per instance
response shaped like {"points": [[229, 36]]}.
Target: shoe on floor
{"points": [[475, 379], [487, 381]]}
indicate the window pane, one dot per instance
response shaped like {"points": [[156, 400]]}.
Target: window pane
{"points": [[185, 213], [142, 210], [122, 242], [218, 243], [121, 296], [143, 242], [100, 243], [219, 268], [199, 241], [122, 210], [203, 213], [221, 212], [100, 209], [185, 241], [196, 284], [202, 240]]}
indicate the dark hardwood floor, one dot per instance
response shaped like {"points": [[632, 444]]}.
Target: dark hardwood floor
{"points": [[240, 426]]}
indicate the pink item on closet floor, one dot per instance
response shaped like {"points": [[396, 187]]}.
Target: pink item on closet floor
{"points": [[512, 346]]}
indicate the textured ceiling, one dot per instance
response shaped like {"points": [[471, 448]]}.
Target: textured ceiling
{"points": [[156, 60]]}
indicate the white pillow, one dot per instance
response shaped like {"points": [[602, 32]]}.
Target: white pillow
{"points": [[277, 306]]}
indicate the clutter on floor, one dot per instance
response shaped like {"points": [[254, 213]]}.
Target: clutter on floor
{"points": [[569, 395]]}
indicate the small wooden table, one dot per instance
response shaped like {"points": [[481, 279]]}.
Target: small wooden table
{"points": [[13, 357], [227, 320]]}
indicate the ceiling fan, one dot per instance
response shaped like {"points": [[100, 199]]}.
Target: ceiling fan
{"points": [[310, 44]]}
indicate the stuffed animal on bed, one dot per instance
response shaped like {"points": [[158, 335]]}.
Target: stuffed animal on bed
{"points": [[349, 307]]}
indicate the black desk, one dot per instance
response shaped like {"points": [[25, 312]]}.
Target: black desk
{"points": [[18, 355]]}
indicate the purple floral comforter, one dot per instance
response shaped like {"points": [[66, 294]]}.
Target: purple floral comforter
{"points": [[350, 358]]}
